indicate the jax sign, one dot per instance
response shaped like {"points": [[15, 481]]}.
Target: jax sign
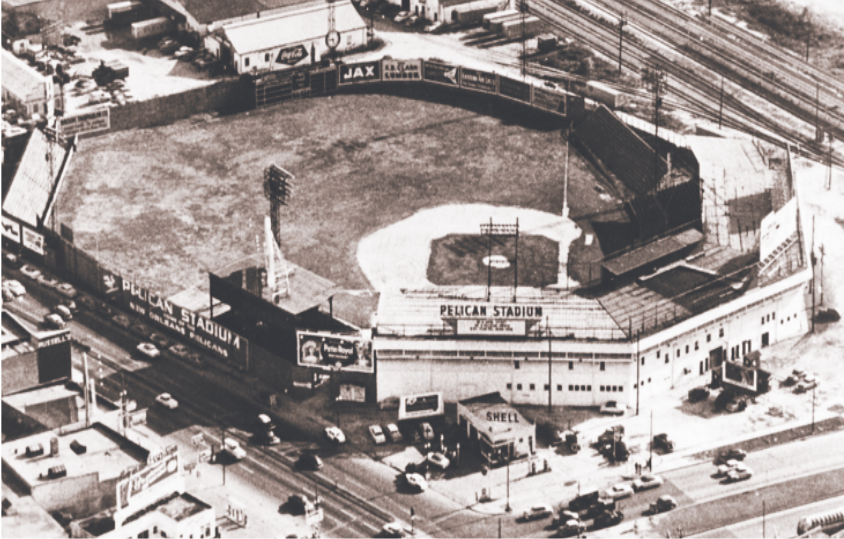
{"points": [[330, 351]]}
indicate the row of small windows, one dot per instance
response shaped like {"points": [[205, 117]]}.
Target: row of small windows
{"points": [[533, 387], [572, 387], [612, 388], [518, 365], [697, 347]]}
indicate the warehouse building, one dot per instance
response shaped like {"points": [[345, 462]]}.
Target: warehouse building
{"points": [[454, 11], [205, 16], [293, 38], [25, 89]]}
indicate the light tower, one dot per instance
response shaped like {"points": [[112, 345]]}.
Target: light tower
{"points": [[278, 188]]}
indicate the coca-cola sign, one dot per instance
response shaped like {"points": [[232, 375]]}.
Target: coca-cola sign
{"points": [[292, 55]]}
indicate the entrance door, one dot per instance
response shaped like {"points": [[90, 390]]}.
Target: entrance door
{"points": [[765, 340], [405, 5], [423, 12]]}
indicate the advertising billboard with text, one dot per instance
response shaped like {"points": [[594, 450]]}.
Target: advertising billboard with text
{"points": [[514, 89], [332, 351], [88, 122], [441, 73], [158, 468], [401, 70], [360, 72], [425, 405], [477, 80]]}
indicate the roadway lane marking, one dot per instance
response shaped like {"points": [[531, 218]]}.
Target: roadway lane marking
{"points": [[247, 469], [262, 465]]}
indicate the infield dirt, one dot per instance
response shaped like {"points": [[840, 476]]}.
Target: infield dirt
{"points": [[165, 205]]}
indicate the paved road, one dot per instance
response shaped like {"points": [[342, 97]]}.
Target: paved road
{"points": [[779, 524]]}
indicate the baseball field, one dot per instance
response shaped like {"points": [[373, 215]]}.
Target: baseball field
{"points": [[167, 204]]}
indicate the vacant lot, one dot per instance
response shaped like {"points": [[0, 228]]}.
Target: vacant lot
{"points": [[166, 205]]}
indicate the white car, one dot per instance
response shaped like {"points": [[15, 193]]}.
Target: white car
{"points": [[15, 287], [434, 27], [401, 17], [149, 350], [394, 529], [647, 481], [538, 512], [417, 481], [335, 435], [66, 290], [730, 465], [232, 447], [377, 434], [31, 272], [619, 491], [393, 432], [54, 321], [167, 401], [439, 460], [48, 281], [613, 408]]}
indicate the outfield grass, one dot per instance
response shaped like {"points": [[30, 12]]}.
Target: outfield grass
{"points": [[167, 204]]}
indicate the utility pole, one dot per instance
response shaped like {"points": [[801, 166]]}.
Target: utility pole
{"points": [[499, 528], [509, 509], [550, 385], [637, 372], [524, 40], [651, 445], [621, 22], [763, 519], [710, 11], [566, 182], [813, 409], [223, 429], [721, 104], [85, 385], [814, 284], [818, 137], [808, 38]]}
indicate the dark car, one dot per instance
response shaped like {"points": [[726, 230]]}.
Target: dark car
{"points": [[698, 394], [661, 441], [299, 503], [159, 339], [732, 453], [310, 461]]}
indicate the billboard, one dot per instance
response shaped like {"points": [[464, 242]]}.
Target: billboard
{"points": [[110, 283], [477, 80], [777, 227], [32, 240], [401, 70], [514, 89], [738, 375], [550, 100], [159, 466], [291, 55], [441, 73], [211, 335], [89, 122], [360, 72], [11, 230], [330, 351], [491, 318], [425, 405]]}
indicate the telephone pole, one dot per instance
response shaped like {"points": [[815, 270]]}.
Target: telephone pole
{"points": [[550, 385], [621, 22]]}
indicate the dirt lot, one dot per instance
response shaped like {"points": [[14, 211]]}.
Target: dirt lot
{"points": [[165, 205]]}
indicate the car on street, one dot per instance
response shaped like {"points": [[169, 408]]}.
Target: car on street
{"points": [[612, 408], [148, 350], [570, 528], [64, 312], [410, 21], [15, 287], [808, 383], [401, 16], [416, 481], [309, 461], [619, 491], [30, 271], [537, 512], [742, 474], [159, 339], [49, 282], [394, 433], [727, 467], [8, 295], [377, 434], [439, 460], [232, 448], [736, 404], [335, 435], [663, 442], [426, 431], [393, 529], [299, 503], [70, 304], [731, 453], [180, 350], [88, 302], [698, 394], [431, 28], [54, 321], [662, 504], [11, 260], [66, 290], [646, 482], [121, 320], [167, 401]]}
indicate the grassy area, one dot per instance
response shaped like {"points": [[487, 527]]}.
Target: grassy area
{"points": [[165, 205], [457, 259]]}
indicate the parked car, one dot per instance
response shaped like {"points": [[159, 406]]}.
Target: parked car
{"points": [[732, 453], [148, 350], [54, 321], [122, 320], [416, 481], [232, 448], [736, 404], [431, 28], [377, 434], [8, 295], [439, 460], [698, 394], [537, 512], [310, 461], [48, 282], [739, 474], [410, 21], [70, 304], [159, 339], [662, 504], [30, 271], [808, 383], [88, 302], [11, 260], [299, 503], [571, 527], [15, 287], [426, 431], [646, 482], [66, 290], [663, 442], [167, 401], [335, 435], [619, 491], [180, 350], [729, 466], [394, 433], [394, 529], [64, 312], [612, 408], [401, 16]]}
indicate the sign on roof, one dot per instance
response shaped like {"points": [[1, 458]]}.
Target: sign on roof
{"points": [[89, 122], [330, 351], [11, 230], [490, 318]]}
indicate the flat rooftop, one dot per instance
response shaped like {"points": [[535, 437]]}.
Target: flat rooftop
{"points": [[174, 506], [108, 454], [27, 518]]}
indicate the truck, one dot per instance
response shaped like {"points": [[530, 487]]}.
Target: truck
{"points": [[151, 27], [584, 501], [608, 519], [828, 520], [125, 13], [518, 28], [498, 15], [498, 24]]}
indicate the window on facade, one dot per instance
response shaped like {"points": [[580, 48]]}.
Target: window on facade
{"points": [[246, 62], [721, 332], [571, 388], [773, 316], [657, 354], [678, 352], [614, 388], [571, 365], [603, 366], [667, 358], [708, 337], [559, 387], [601, 388], [155, 529], [763, 320], [509, 386], [546, 387], [532, 387], [649, 380], [643, 360], [517, 364], [519, 387], [588, 388], [267, 57], [620, 388], [687, 348], [696, 346]]}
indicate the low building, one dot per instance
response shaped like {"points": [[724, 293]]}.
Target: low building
{"points": [[453, 10], [31, 357], [292, 38], [25, 89], [204, 16], [495, 429]]}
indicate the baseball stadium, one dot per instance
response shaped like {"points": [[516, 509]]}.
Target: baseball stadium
{"points": [[452, 230]]}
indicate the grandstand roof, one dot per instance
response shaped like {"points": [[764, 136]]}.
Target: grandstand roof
{"points": [[37, 178], [652, 251], [22, 80]]}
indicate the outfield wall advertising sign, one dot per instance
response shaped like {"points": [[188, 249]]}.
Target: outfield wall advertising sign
{"points": [[331, 351], [291, 55], [401, 70], [89, 122], [425, 405], [360, 72], [211, 335], [11, 230], [477, 80], [549, 100], [441, 73], [514, 89]]}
